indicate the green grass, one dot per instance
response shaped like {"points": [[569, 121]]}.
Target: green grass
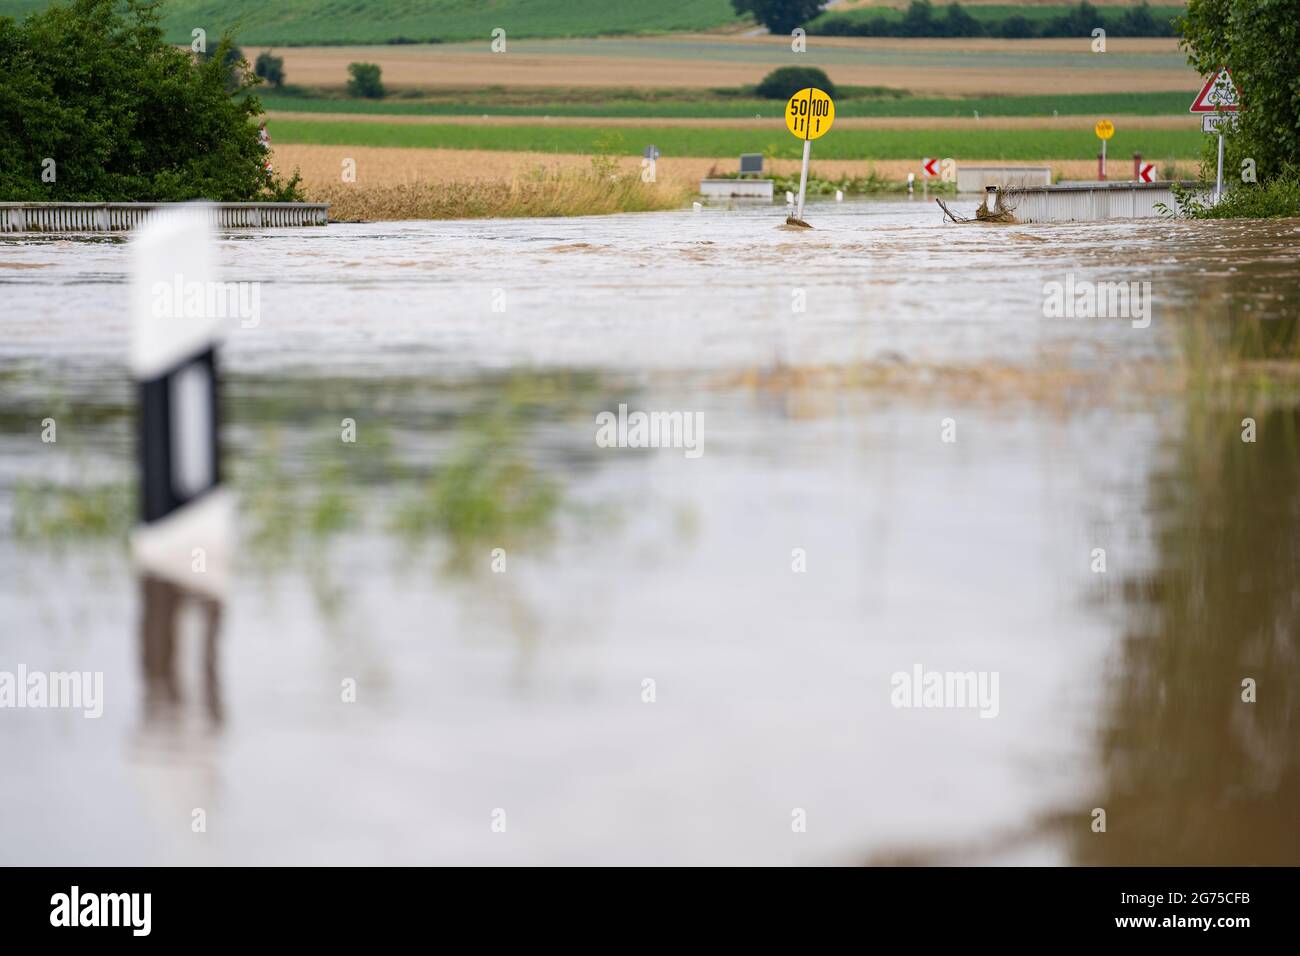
{"points": [[312, 22], [1039, 144], [1278, 197], [717, 104], [871, 182]]}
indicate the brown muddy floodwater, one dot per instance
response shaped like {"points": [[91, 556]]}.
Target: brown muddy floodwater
{"points": [[474, 358]]}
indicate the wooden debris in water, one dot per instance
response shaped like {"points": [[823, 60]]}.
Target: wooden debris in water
{"points": [[982, 214]]}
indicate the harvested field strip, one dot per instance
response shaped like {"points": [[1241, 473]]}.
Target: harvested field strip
{"points": [[1137, 53], [935, 68], [1029, 144], [320, 165]]}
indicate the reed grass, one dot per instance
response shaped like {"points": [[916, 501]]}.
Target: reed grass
{"points": [[543, 192]]}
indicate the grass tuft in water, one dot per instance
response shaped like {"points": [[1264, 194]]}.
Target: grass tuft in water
{"points": [[487, 491], [52, 513]]}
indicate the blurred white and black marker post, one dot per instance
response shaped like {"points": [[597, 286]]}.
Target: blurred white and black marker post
{"points": [[185, 515], [808, 115]]}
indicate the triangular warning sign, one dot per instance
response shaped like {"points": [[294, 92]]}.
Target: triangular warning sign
{"points": [[1219, 93]]}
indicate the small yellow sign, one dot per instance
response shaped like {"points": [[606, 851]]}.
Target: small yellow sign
{"points": [[810, 113], [1105, 129]]}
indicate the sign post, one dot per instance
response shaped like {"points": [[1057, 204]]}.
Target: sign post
{"points": [[1218, 172], [808, 115], [1219, 95], [803, 177], [929, 170], [1104, 129]]}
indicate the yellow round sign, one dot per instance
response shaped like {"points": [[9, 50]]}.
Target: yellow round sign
{"points": [[810, 113], [1105, 129]]}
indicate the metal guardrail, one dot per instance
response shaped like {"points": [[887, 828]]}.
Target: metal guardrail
{"points": [[736, 189], [124, 216], [1086, 202]]}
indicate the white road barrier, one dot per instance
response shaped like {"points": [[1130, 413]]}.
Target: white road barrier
{"points": [[185, 514]]}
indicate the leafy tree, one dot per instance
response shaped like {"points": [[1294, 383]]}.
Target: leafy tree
{"points": [[958, 23], [918, 21], [1078, 21], [1138, 21], [270, 68], [1016, 27], [780, 16], [1259, 42], [365, 80], [232, 63], [842, 26], [785, 81], [125, 116]]}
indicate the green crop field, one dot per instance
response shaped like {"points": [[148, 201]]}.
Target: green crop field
{"points": [[325, 22], [556, 103], [321, 22], [1021, 144]]}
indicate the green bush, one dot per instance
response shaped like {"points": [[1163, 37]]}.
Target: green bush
{"points": [[95, 106], [1279, 197], [784, 82], [365, 81], [270, 68]]}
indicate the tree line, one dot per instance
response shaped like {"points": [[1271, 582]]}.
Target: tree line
{"points": [[921, 19]]}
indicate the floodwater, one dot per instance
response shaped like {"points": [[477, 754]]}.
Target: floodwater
{"points": [[474, 358]]}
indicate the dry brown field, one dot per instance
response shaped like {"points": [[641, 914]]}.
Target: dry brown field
{"points": [[531, 65], [321, 165]]}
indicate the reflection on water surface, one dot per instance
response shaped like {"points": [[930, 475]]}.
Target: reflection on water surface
{"points": [[373, 562]]}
